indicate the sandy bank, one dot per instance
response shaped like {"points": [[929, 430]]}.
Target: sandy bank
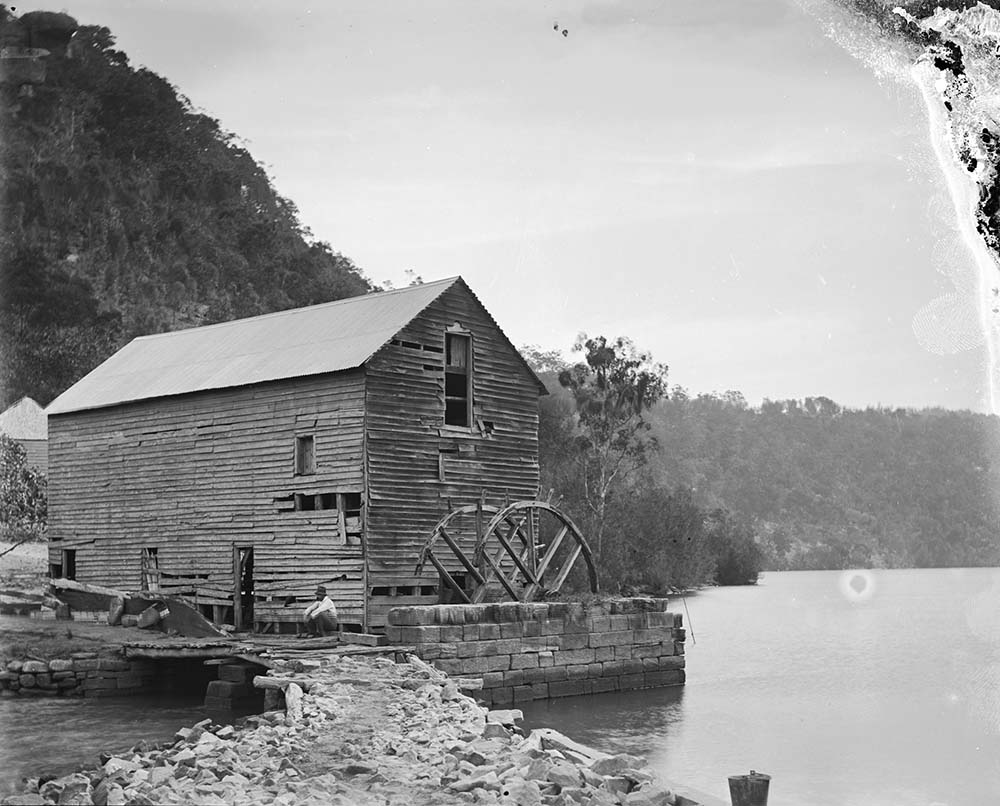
{"points": [[367, 731]]}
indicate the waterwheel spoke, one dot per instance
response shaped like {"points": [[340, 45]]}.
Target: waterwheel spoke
{"points": [[528, 575], [567, 567], [461, 555], [501, 576], [448, 579], [532, 548], [550, 552]]}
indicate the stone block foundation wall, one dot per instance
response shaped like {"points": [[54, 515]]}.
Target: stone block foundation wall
{"points": [[549, 649], [81, 674]]}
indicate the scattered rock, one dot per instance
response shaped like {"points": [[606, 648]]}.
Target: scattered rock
{"points": [[565, 775], [520, 792], [25, 799], [355, 735], [615, 764], [650, 798], [508, 717], [494, 730]]}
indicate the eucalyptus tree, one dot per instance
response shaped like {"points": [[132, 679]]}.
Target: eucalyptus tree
{"points": [[613, 388]]}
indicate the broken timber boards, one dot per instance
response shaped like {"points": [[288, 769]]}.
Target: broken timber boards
{"points": [[80, 596], [177, 615]]}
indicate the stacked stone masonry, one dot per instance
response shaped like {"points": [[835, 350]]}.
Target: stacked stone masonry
{"points": [[549, 649], [81, 674]]}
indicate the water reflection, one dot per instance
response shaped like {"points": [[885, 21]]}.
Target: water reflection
{"points": [[58, 735], [616, 722], [885, 699]]}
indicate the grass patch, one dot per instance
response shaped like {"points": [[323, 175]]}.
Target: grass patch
{"points": [[47, 644]]}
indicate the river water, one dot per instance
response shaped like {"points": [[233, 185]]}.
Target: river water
{"points": [[877, 688], [59, 735], [873, 688]]}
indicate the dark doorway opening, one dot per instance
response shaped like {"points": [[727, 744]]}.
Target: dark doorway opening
{"points": [[244, 593], [69, 563]]}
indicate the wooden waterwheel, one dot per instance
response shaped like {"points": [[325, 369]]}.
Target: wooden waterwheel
{"points": [[527, 549]]}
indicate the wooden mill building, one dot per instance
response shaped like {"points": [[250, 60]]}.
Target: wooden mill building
{"points": [[243, 463], [25, 422]]}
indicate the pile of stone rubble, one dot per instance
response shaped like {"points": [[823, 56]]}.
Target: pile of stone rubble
{"points": [[360, 731]]}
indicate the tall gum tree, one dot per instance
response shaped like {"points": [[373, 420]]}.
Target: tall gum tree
{"points": [[613, 388]]}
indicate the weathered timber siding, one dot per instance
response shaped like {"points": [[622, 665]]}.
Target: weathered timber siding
{"points": [[36, 453], [195, 475], [406, 432]]}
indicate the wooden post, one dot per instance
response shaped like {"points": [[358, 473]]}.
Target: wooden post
{"points": [[341, 521], [749, 790], [237, 593]]}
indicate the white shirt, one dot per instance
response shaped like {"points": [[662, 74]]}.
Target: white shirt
{"points": [[321, 606]]}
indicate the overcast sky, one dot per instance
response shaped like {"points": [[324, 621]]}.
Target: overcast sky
{"points": [[715, 179]]}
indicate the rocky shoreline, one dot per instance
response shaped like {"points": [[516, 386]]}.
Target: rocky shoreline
{"points": [[360, 731]]}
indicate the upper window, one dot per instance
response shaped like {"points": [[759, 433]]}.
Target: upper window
{"points": [[458, 379], [305, 455]]}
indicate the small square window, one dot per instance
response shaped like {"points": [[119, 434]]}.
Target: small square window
{"points": [[305, 455], [305, 503]]}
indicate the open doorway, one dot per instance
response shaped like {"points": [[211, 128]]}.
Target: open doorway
{"points": [[243, 593], [150, 570]]}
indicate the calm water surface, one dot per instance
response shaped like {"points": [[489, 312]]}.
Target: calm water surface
{"points": [[58, 735], [884, 693]]}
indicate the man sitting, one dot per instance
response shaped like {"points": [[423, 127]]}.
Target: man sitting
{"points": [[321, 616]]}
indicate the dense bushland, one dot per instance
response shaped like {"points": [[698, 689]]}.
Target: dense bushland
{"points": [[124, 211], [718, 489]]}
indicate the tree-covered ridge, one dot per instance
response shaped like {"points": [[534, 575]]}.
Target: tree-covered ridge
{"points": [[827, 487], [815, 484], [125, 212]]}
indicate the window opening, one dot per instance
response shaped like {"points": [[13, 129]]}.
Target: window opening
{"points": [[304, 503], [305, 455], [150, 570], [352, 505], [413, 345], [69, 563], [458, 380]]}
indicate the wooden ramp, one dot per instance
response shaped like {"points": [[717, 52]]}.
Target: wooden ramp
{"points": [[261, 649]]}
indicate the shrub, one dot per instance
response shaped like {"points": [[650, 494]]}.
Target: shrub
{"points": [[738, 557], [23, 495]]}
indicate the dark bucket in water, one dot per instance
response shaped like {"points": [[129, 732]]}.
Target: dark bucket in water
{"points": [[749, 790]]}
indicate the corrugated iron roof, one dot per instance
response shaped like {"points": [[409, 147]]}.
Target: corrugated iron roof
{"points": [[25, 420], [288, 344]]}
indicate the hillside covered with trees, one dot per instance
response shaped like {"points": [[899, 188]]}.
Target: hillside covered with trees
{"points": [[793, 484], [124, 212]]}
